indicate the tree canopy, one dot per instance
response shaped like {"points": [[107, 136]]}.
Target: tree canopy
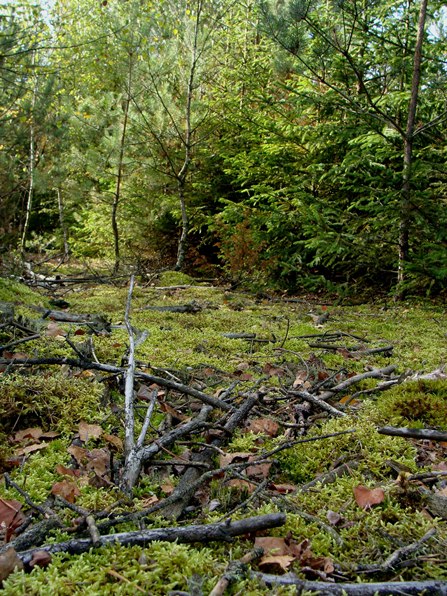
{"points": [[294, 143]]}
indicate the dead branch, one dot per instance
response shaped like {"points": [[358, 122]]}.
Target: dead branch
{"points": [[316, 401], [88, 365], [195, 533], [377, 373], [358, 349], [236, 571], [429, 588], [192, 308], [413, 433]]}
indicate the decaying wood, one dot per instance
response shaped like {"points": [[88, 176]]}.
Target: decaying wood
{"points": [[224, 531], [416, 588], [187, 485], [413, 433], [359, 349]]}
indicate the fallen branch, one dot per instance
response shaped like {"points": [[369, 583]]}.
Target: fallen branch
{"points": [[236, 571], [195, 533], [413, 433], [317, 401], [428, 588], [88, 365]]}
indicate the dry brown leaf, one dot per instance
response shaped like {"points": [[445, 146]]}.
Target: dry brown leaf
{"points": [[41, 558], [263, 425], [66, 489], [367, 497], [79, 453], [53, 330], [64, 471], [9, 562], [167, 488], [11, 516], [231, 458], [28, 433], [80, 332], [272, 545], [98, 461], [114, 440], [276, 563], [89, 431], [30, 448], [240, 484], [283, 489]]}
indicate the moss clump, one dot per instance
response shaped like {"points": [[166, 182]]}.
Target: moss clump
{"points": [[175, 278], [419, 403], [18, 293], [55, 402], [157, 569]]}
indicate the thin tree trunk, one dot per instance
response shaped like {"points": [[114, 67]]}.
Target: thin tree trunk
{"points": [[181, 177], [405, 210], [120, 173], [64, 229], [30, 193]]}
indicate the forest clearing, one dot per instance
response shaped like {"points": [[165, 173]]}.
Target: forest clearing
{"points": [[223, 271], [321, 425]]}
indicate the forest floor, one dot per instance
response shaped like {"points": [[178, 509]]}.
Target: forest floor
{"points": [[309, 384]]}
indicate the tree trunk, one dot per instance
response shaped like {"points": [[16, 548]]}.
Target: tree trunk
{"points": [[30, 193], [64, 229], [405, 209], [119, 173]]}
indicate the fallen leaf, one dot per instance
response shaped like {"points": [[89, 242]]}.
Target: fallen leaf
{"points": [[272, 545], [333, 517], [79, 453], [11, 516], [66, 489], [30, 448], [367, 497], [9, 562], [50, 434], [41, 558], [276, 563], [272, 371], [114, 440], [167, 488], [240, 484], [165, 407], [99, 461], [258, 470], [64, 471], [80, 332], [89, 431], [53, 330], [28, 433], [263, 425], [283, 489]]}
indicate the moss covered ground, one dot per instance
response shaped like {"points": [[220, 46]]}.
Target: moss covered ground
{"points": [[192, 348]]}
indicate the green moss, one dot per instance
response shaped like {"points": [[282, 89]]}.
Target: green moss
{"points": [[175, 278], [18, 293], [37, 475], [53, 401], [419, 403], [157, 569]]}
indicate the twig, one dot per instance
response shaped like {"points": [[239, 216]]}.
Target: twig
{"points": [[316, 401], [236, 571], [413, 433], [433, 587], [45, 512], [195, 533]]}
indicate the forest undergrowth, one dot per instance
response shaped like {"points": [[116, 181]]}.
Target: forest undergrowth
{"points": [[326, 417]]}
